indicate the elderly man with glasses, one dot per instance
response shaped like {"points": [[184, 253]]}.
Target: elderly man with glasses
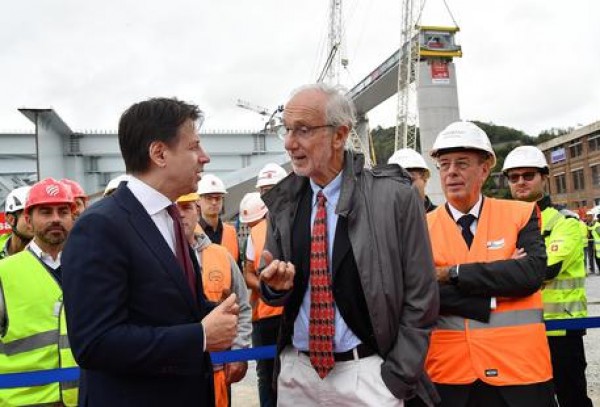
{"points": [[349, 258]]}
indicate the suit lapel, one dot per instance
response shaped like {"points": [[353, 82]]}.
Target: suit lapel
{"points": [[301, 238], [151, 236], [341, 244]]}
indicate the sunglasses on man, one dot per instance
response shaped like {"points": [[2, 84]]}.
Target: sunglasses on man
{"points": [[513, 178]]}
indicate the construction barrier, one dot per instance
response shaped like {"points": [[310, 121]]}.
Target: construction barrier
{"points": [[41, 377]]}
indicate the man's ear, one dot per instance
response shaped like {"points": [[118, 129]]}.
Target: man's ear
{"points": [[340, 136], [156, 152]]}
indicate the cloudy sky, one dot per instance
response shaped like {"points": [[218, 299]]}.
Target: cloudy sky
{"points": [[529, 64]]}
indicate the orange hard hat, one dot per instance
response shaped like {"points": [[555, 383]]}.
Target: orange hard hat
{"points": [[49, 192], [76, 189]]}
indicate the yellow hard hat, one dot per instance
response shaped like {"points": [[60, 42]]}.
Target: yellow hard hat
{"points": [[193, 197]]}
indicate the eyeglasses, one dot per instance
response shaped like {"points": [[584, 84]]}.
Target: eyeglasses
{"points": [[300, 132], [515, 177], [461, 164]]}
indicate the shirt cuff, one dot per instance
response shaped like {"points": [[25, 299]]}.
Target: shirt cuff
{"points": [[493, 303], [204, 336]]}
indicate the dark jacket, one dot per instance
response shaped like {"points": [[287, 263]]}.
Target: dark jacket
{"points": [[390, 245], [134, 325]]}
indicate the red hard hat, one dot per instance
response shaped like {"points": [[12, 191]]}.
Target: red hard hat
{"points": [[76, 189], [49, 192]]}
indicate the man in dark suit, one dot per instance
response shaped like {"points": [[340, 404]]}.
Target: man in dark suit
{"points": [[139, 326], [352, 267]]}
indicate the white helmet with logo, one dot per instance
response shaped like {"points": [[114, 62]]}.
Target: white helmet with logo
{"points": [[211, 184], [15, 201], [270, 174], [463, 135], [525, 157], [408, 158], [252, 208], [114, 183]]}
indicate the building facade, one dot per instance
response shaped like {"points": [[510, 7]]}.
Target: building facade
{"points": [[574, 161]]}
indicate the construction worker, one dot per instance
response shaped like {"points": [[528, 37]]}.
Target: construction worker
{"points": [[32, 318], [590, 219], [113, 184], [212, 190], [220, 277], [265, 319], [81, 198], [20, 236], [564, 291], [595, 232], [269, 176], [489, 347], [416, 166]]}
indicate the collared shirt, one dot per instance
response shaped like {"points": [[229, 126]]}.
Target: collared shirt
{"points": [[43, 256], [156, 205], [475, 211], [344, 338]]}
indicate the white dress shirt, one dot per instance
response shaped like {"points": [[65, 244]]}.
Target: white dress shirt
{"points": [[43, 256]]}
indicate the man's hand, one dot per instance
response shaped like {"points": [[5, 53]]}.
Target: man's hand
{"points": [[518, 254], [279, 275], [442, 274], [235, 372], [220, 325]]}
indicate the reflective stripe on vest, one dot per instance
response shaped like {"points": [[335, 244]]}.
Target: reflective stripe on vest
{"points": [[216, 272], [497, 320], [36, 335], [230, 241], [511, 349], [260, 310], [564, 297]]}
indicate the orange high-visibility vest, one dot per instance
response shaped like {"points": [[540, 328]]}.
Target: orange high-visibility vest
{"points": [[216, 277], [511, 349], [216, 272], [260, 310], [230, 241]]}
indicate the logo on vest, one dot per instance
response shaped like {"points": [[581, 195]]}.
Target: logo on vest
{"points": [[491, 373], [215, 281], [495, 244]]}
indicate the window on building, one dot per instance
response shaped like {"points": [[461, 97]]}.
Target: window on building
{"points": [[596, 175], [578, 181], [596, 201], [560, 183], [575, 149], [594, 142]]}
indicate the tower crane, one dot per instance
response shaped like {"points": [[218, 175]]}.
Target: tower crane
{"points": [[244, 104]]}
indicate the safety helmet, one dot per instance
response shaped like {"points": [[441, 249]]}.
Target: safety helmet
{"points": [[252, 208], [15, 201], [211, 184], [49, 192], [408, 158], [76, 189], [463, 136], [193, 197], [114, 183], [525, 156], [270, 174]]}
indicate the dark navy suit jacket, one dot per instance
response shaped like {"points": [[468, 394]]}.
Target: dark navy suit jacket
{"points": [[134, 325]]}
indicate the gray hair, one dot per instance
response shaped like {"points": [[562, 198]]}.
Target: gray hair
{"points": [[339, 110]]}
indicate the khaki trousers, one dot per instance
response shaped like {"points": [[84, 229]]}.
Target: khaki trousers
{"points": [[354, 383]]}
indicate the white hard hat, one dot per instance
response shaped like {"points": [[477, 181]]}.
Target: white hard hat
{"points": [[270, 174], [463, 135], [525, 156], [252, 208], [114, 183], [211, 184], [408, 158], [15, 201]]}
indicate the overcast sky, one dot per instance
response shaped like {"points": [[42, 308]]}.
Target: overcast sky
{"points": [[529, 64]]}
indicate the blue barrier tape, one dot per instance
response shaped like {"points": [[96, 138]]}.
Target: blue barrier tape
{"points": [[243, 355], [42, 377]]}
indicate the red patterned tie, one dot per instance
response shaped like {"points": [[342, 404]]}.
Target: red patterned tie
{"points": [[182, 248], [321, 324]]}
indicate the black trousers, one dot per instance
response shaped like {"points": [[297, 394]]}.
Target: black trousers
{"points": [[480, 394], [568, 364]]}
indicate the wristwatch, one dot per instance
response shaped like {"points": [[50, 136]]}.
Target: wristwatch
{"points": [[453, 275]]}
